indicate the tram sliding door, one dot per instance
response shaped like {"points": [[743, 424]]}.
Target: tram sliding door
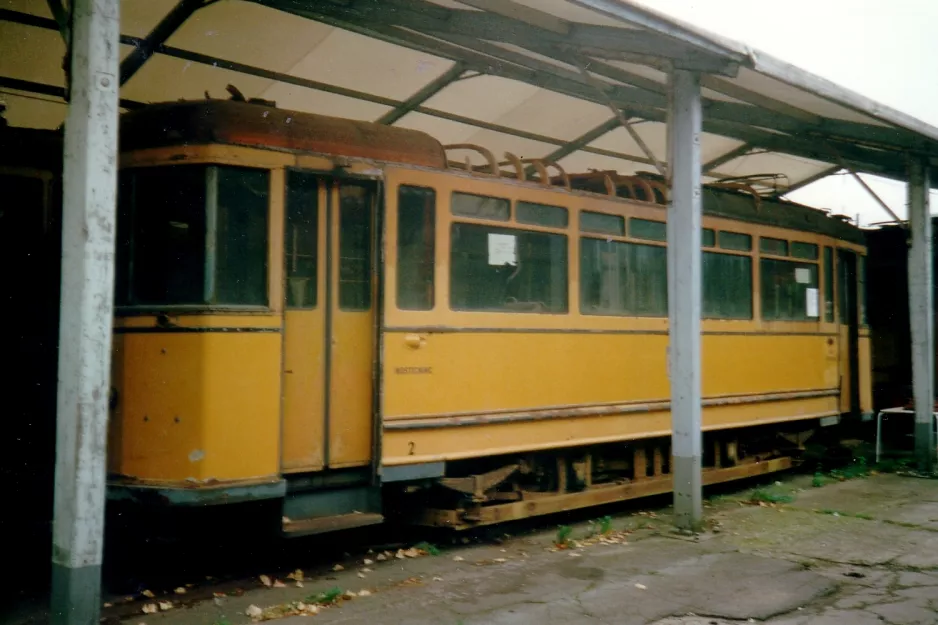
{"points": [[328, 363]]}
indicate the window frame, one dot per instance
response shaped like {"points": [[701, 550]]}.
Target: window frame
{"points": [[269, 238]]}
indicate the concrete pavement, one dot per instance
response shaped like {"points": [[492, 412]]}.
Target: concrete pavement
{"points": [[855, 552]]}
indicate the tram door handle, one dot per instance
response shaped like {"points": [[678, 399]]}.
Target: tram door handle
{"points": [[415, 341]]}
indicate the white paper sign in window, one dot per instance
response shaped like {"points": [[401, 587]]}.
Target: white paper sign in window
{"points": [[802, 275], [811, 303], [502, 249]]}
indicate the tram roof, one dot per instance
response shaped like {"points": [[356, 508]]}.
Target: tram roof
{"points": [[537, 78]]}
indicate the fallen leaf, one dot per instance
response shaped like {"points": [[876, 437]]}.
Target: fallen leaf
{"points": [[361, 575], [148, 593], [108, 605], [400, 554], [279, 584], [266, 581], [299, 584], [574, 554], [166, 605], [338, 567], [641, 586], [296, 575], [500, 560], [150, 608], [350, 594], [312, 609], [253, 611], [180, 591], [458, 558], [367, 570], [364, 593], [368, 562], [438, 579], [381, 557]]}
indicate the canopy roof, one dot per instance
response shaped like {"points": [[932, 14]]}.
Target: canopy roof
{"points": [[582, 82]]}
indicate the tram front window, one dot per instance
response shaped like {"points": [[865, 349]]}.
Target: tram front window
{"points": [[192, 235]]}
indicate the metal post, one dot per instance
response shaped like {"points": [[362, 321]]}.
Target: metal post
{"points": [[921, 311], [684, 295], [88, 220]]}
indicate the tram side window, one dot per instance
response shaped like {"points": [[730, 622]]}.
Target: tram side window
{"points": [[241, 241], [618, 278], [789, 290], [416, 234], [503, 269], [192, 235], [355, 247], [301, 240], [829, 284], [727, 286]]}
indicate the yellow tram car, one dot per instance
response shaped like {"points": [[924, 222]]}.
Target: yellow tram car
{"points": [[345, 317]]}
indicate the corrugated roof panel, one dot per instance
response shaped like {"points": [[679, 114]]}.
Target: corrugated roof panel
{"points": [[619, 140], [138, 18], [33, 54], [357, 62], [796, 97], [296, 98], [499, 143], [166, 78], [502, 96], [554, 115], [444, 130], [229, 30], [28, 110], [27, 6]]}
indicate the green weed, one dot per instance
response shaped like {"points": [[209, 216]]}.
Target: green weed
{"points": [[761, 495], [563, 535], [427, 547], [326, 598]]}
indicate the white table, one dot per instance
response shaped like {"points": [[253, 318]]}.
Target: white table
{"points": [[893, 411]]}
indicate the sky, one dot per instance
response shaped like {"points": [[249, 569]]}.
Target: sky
{"points": [[885, 50]]}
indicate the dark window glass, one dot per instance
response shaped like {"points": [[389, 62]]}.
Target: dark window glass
{"points": [[861, 287], [301, 240], [646, 229], [355, 247], [619, 278], [241, 241], [789, 290], [727, 286], [163, 230], [602, 224], [807, 251], [190, 235], [416, 245], [736, 241], [709, 238], [502, 269], [541, 215], [480, 206], [829, 285], [776, 247]]}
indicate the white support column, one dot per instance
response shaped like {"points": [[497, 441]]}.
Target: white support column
{"points": [[88, 224], [684, 295], [921, 309]]}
